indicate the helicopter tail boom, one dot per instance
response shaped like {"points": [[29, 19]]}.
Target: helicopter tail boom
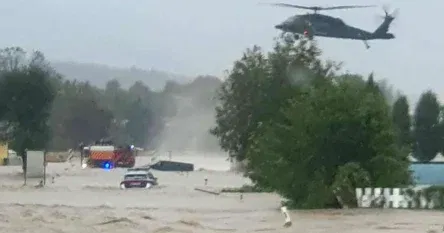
{"points": [[382, 30]]}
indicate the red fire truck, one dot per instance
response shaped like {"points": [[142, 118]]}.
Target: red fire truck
{"points": [[109, 156]]}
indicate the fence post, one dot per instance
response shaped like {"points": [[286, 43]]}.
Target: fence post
{"points": [[44, 167], [24, 165]]}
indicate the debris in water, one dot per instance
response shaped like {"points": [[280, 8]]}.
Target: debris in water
{"points": [[147, 217], [115, 221], [287, 217], [191, 223], [40, 185], [163, 230], [207, 191], [265, 229]]}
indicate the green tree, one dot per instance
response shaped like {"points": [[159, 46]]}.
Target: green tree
{"points": [[77, 116], [139, 123], [303, 129], [402, 122], [426, 127], [26, 96], [116, 99], [299, 154], [84, 113], [371, 84], [258, 86], [239, 97]]}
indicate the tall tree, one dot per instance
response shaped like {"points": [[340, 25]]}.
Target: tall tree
{"points": [[258, 86], [77, 116], [299, 154], [26, 96], [426, 130], [441, 128], [84, 113], [301, 127], [139, 123], [239, 96], [402, 122], [371, 84]]}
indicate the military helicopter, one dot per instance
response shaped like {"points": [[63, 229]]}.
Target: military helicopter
{"points": [[315, 24]]}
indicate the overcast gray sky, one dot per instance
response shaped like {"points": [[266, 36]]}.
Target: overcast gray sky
{"points": [[205, 36]]}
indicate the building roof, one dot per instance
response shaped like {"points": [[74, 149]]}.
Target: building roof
{"points": [[101, 148], [438, 158], [411, 158]]}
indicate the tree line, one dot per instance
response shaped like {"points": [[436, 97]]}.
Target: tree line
{"points": [[312, 133], [40, 109], [421, 131]]}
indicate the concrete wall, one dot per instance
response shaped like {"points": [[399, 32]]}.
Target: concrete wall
{"points": [[35, 164]]}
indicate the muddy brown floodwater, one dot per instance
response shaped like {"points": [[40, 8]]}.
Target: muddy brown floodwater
{"points": [[89, 200]]}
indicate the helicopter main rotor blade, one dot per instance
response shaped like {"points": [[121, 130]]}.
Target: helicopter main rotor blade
{"points": [[346, 7], [318, 8], [293, 6]]}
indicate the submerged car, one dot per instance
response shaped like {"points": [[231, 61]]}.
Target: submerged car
{"points": [[138, 179]]}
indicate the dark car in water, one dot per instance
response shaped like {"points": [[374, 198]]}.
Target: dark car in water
{"points": [[173, 166], [138, 179]]}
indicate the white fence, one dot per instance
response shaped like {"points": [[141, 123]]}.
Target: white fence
{"points": [[393, 198]]}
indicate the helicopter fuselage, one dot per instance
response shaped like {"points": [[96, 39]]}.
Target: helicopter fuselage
{"points": [[324, 26]]}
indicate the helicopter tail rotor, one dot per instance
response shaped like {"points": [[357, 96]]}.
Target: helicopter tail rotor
{"points": [[384, 27], [388, 15]]}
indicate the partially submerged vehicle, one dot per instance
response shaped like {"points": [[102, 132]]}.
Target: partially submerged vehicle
{"points": [[109, 156], [145, 169], [138, 179], [172, 166]]}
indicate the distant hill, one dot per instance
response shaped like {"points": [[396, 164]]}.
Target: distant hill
{"points": [[99, 75]]}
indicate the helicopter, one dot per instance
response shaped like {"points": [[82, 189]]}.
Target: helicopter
{"points": [[315, 24]]}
